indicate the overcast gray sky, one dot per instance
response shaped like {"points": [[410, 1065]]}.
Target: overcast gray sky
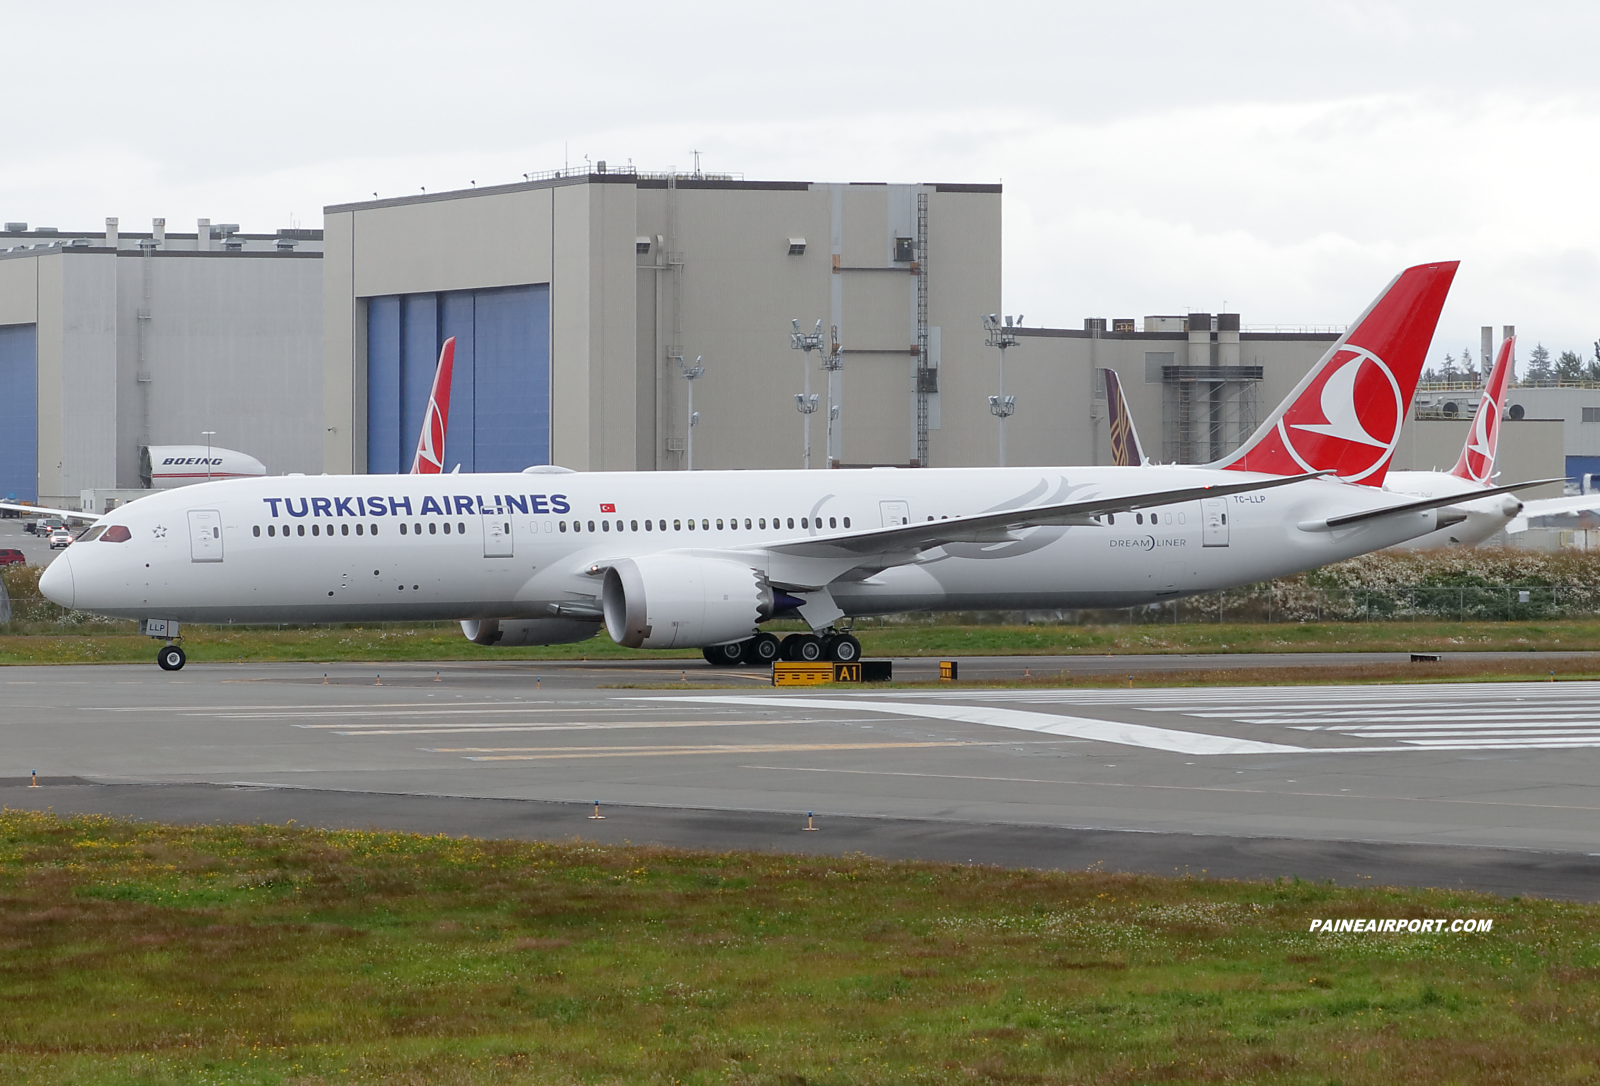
{"points": [[1282, 159]]}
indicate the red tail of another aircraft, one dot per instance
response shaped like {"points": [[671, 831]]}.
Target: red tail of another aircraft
{"points": [[1477, 456], [1345, 415], [430, 444]]}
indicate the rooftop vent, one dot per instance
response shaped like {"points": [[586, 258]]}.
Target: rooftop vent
{"points": [[232, 243], [16, 228], [79, 243], [286, 245], [797, 246]]}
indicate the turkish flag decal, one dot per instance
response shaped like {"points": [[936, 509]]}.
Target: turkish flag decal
{"points": [[608, 507]]}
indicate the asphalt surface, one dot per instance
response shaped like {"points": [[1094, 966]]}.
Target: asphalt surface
{"points": [[35, 548], [1488, 786]]}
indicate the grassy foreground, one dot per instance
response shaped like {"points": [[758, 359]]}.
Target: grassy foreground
{"points": [[444, 642], [260, 954]]}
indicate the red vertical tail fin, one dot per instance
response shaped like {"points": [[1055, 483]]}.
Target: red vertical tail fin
{"points": [[430, 444], [1345, 416], [1477, 455]]}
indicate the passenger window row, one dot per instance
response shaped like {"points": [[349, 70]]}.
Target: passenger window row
{"points": [[704, 525], [317, 529]]}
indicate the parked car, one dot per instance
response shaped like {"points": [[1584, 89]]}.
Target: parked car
{"points": [[60, 538], [10, 556]]}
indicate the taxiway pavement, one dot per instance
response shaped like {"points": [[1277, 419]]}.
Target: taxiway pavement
{"points": [[1484, 785]]}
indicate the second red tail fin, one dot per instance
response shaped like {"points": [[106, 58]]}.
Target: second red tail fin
{"points": [[1477, 456], [1345, 416], [436, 423]]}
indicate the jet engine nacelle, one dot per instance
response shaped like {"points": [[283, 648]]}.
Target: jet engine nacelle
{"points": [[510, 633], [675, 601]]}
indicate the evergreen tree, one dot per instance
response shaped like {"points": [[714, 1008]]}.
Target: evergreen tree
{"points": [[1569, 367], [1468, 369], [1447, 368], [1539, 368]]}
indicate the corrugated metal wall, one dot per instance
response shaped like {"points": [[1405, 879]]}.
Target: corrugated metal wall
{"points": [[500, 390], [19, 412]]}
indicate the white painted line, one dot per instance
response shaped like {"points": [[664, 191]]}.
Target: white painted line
{"points": [[1103, 731]]}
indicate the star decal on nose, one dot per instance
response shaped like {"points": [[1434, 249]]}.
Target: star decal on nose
{"points": [[160, 531]]}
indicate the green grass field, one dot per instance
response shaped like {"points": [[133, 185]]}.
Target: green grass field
{"points": [[103, 643], [259, 954]]}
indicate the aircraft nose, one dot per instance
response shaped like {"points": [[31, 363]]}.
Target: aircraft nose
{"points": [[56, 580]]}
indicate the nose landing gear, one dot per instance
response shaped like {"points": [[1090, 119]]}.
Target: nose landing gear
{"points": [[171, 658]]}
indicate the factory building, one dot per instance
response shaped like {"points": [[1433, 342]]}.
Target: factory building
{"points": [[1199, 384], [580, 303], [111, 342]]}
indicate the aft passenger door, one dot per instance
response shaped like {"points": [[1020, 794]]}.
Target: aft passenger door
{"points": [[1214, 518], [205, 535], [497, 536]]}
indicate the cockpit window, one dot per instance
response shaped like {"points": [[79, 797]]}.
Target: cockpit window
{"points": [[116, 534], [92, 534]]}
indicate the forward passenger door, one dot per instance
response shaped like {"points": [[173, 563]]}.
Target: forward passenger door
{"points": [[205, 535]]}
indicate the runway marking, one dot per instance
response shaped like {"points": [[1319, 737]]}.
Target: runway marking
{"points": [[1173, 787], [1104, 731], [390, 714], [468, 729], [559, 753]]}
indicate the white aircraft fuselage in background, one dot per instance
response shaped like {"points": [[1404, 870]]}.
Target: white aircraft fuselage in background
{"points": [[537, 546]]}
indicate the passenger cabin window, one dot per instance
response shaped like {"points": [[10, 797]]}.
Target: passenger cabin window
{"points": [[256, 530], [847, 521], [791, 522]]}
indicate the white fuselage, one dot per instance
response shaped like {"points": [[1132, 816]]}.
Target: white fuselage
{"points": [[397, 547], [1485, 516]]}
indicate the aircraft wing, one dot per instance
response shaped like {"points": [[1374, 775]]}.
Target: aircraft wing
{"points": [[64, 514], [1549, 507], [910, 539]]}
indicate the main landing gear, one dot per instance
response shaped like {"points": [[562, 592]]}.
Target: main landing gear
{"points": [[764, 648]]}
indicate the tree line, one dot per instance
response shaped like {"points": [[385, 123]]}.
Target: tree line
{"points": [[1570, 367]]}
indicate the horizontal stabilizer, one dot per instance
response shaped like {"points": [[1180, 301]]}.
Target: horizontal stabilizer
{"points": [[1421, 506]]}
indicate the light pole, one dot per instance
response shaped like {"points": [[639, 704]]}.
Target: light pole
{"points": [[208, 435], [1002, 406], [833, 362], [806, 402], [691, 374]]}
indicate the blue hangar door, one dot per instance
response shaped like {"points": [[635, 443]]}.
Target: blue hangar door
{"points": [[19, 412], [499, 391]]}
